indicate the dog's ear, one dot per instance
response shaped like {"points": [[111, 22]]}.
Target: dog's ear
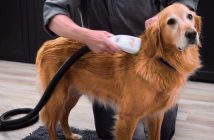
{"points": [[151, 40], [198, 23]]}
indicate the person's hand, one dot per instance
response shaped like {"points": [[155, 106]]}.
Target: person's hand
{"points": [[99, 42], [151, 21]]}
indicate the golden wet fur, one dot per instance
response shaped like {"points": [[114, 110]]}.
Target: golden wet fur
{"points": [[140, 86]]}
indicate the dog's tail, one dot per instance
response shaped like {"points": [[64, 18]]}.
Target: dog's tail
{"points": [[49, 58]]}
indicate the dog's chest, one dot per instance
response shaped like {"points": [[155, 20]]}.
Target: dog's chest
{"points": [[170, 100]]}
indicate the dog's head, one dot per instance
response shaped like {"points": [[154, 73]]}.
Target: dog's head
{"points": [[177, 28]]}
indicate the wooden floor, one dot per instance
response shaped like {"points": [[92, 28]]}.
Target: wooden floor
{"points": [[18, 88]]}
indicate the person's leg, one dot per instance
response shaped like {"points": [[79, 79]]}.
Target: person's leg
{"points": [[104, 121], [139, 133], [168, 126]]}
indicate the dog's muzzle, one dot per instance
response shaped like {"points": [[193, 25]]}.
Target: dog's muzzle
{"points": [[191, 36]]}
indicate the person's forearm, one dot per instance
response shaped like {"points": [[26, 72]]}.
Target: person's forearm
{"points": [[65, 27], [192, 4], [97, 41]]}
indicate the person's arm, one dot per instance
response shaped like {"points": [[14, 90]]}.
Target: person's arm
{"points": [[192, 4], [57, 21]]}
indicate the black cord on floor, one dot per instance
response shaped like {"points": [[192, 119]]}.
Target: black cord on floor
{"points": [[32, 114]]}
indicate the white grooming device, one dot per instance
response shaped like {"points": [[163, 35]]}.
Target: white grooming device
{"points": [[127, 43]]}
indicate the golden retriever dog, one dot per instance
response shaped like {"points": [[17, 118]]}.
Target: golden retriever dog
{"points": [[141, 86]]}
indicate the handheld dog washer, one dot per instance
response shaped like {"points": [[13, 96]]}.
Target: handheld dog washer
{"points": [[126, 43]]}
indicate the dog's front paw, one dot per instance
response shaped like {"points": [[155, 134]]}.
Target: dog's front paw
{"points": [[76, 137]]}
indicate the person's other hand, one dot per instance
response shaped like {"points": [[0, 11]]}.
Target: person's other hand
{"points": [[99, 42], [151, 21]]}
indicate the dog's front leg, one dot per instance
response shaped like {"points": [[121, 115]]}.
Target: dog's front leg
{"points": [[154, 127], [125, 127]]}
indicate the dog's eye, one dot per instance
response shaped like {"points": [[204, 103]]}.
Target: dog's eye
{"points": [[171, 21], [189, 16]]}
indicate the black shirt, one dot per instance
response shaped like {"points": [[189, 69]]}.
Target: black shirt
{"points": [[115, 16]]}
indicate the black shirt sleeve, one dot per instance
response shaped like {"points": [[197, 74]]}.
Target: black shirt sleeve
{"points": [[192, 4], [54, 7]]}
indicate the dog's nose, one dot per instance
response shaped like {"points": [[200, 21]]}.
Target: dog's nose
{"points": [[191, 35]]}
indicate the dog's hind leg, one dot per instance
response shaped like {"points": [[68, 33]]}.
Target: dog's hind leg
{"points": [[125, 127], [50, 115], [51, 112], [70, 101]]}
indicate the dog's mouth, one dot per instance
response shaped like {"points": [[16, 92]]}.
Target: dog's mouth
{"points": [[180, 49], [190, 43]]}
